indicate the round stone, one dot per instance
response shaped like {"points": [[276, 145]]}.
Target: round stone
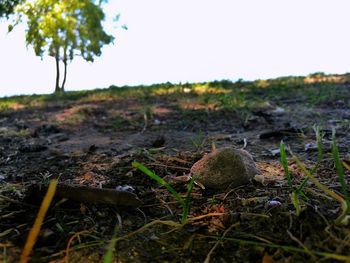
{"points": [[225, 168]]}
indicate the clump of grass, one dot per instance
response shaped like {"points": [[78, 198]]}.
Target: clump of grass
{"points": [[198, 141], [343, 218], [13, 132], [298, 191], [294, 193], [185, 203], [340, 171], [319, 137], [147, 116]]}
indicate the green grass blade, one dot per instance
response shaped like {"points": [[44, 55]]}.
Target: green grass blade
{"points": [[160, 180], [319, 137], [285, 165], [198, 141], [344, 205], [186, 206], [296, 203], [300, 188], [340, 171], [108, 257]]}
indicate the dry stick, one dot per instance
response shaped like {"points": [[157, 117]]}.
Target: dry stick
{"points": [[345, 242], [33, 234], [168, 223], [76, 247], [188, 242], [140, 230], [145, 227], [15, 201], [207, 259], [169, 166], [262, 239], [176, 159], [325, 255], [302, 245], [6, 245], [66, 258], [192, 219], [346, 165], [255, 215], [146, 123]]}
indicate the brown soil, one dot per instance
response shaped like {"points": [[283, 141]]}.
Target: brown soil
{"points": [[93, 143]]}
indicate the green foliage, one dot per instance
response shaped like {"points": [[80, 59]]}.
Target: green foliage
{"points": [[296, 202], [108, 256], [198, 141], [63, 29], [309, 175], [298, 191], [7, 7], [294, 193], [319, 137], [184, 203], [343, 218], [159, 180], [340, 171], [285, 165]]}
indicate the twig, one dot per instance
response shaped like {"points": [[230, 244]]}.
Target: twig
{"points": [[207, 259], [301, 244], [169, 166], [326, 255], [204, 216], [15, 201], [77, 234]]}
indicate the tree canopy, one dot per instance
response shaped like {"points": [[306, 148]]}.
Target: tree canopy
{"points": [[63, 29], [7, 7]]}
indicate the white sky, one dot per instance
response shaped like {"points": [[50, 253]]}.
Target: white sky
{"points": [[194, 40]]}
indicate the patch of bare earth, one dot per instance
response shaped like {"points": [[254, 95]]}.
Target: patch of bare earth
{"points": [[94, 144]]}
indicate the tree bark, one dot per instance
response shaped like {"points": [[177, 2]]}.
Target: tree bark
{"points": [[57, 87], [64, 74], [65, 65]]}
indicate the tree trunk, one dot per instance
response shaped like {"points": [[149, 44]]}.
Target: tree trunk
{"points": [[57, 88], [64, 74]]}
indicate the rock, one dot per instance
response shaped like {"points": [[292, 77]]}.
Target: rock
{"points": [[223, 168], [32, 147], [46, 129], [158, 142], [57, 137]]}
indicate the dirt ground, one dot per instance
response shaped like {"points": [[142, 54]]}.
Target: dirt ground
{"points": [[91, 139]]}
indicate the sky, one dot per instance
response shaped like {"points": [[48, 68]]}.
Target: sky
{"points": [[193, 41]]}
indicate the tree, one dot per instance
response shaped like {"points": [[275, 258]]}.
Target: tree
{"points": [[7, 7], [63, 29]]}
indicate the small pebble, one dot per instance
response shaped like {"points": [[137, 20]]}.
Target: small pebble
{"points": [[273, 203]]}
